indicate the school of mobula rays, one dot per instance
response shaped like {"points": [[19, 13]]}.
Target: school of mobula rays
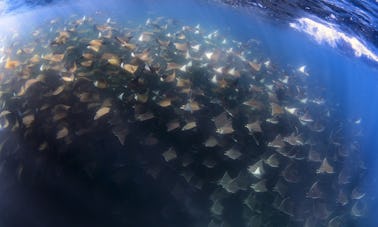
{"points": [[229, 123]]}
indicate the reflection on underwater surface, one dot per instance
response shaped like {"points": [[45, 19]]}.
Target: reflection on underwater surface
{"points": [[117, 118], [323, 33], [354, 18]]}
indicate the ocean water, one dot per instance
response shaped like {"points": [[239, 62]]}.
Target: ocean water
{"points": [[79, 146]]}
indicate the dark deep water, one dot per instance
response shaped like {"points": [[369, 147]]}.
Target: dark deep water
{"points": [[340, 73]]}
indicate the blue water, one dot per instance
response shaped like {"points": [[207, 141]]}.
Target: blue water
{"points": [[349, 83]]}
